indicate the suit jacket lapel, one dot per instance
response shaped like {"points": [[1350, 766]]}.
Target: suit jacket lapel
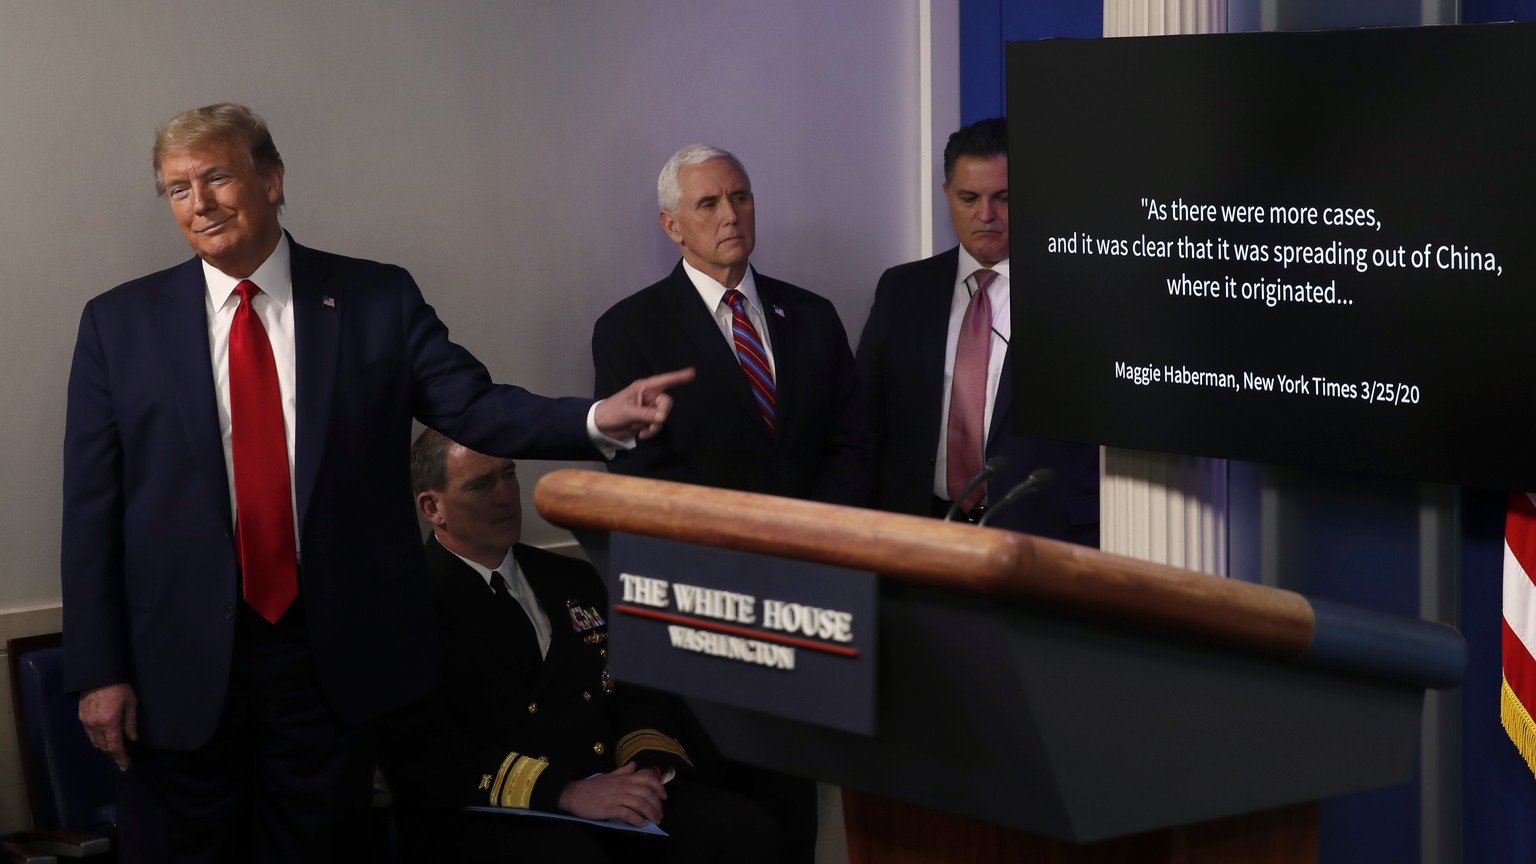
{"points": [[551, 594], [781, 336], [470, 598], [708, 343], [181, 321], [317, 337], [930, 332]]}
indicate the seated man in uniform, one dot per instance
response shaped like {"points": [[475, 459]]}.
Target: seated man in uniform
{"points": [[525, 714]]}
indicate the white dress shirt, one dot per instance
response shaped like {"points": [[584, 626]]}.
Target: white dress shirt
{"points": [[1002, 329], [274, 306], [713, 295]]}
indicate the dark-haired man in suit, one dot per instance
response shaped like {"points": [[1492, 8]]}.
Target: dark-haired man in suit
{"points": [[525, 714], [934, 359], [237, 528]]}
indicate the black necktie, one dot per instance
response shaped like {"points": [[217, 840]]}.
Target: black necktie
{"points": [[519, 627]]}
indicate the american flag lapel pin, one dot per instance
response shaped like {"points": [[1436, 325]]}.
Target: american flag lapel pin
{"points": [[778, 310], [327, 301]]}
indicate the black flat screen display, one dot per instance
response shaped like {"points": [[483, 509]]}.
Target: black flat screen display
{"points": [[1309, 248]]}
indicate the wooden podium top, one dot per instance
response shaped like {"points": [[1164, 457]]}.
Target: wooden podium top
{"points": [[1001, 565], [1015, 568], [1312, 677]]}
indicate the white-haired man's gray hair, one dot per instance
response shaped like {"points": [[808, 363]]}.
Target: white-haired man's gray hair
{"points": [[669, 192]]}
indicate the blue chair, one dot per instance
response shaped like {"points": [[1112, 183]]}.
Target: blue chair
{"points": [[70, 786]]}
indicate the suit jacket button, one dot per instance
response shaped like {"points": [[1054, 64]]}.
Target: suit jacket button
{"points": [[533, 708], [587, 696], [229, 611], [598, 748]]}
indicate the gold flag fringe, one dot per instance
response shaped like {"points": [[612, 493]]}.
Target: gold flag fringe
{"points": [[1518, 723]]}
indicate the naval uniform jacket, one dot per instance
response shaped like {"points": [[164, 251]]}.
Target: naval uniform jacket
{"points": [[505, 729]]}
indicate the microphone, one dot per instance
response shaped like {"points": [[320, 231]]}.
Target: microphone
{"points": [[994, 466], [1040, 478]]}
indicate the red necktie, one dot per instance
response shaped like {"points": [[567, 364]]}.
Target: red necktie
{"points": [[968, 394], [754, 360], [263, 497]]}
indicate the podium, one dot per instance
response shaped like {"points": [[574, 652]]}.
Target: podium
{"points": [[1039, 701]]}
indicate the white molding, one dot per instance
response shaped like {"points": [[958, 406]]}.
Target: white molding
{"points": [[1164, 507]]}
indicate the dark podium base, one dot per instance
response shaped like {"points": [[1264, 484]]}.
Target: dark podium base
{"points": [[1099, 709], [883, 831]]}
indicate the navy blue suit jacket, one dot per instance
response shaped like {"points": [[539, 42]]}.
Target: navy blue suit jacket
{"points": [[149, 570], [901, 361], [715, 436]]}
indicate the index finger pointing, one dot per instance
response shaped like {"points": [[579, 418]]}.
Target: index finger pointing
{"points": [[659, 383]]}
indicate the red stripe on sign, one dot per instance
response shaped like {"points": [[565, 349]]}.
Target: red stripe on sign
{"points": [[739, 631]]}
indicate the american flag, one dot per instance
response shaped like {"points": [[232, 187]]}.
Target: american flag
{"points": [[1517, 697]]}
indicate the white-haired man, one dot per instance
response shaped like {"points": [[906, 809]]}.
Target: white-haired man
{"points": [[775, 407]]}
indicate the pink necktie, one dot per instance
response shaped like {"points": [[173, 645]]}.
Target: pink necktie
{"points": [[968, 394], [263, 498], [754, 360]]}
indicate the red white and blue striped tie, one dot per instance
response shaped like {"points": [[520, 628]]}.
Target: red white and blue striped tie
{"points": [[754, 360]]}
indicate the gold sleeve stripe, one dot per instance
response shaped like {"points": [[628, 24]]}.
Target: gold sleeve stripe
{"points": [[519, 789], [649, 739], [501, 773]]}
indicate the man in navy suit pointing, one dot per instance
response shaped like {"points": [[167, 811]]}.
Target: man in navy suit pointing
{"points": [[244, 586]]}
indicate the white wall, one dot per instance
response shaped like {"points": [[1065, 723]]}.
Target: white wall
{"points": [[505, 152]]}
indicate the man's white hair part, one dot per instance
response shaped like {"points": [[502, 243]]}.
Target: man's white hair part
{"points": [[669, 190]]}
